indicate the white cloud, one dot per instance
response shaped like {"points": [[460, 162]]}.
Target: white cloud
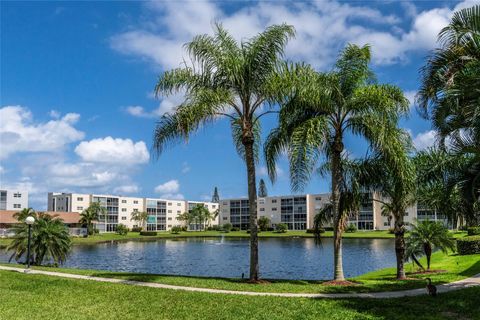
{"points": [[126, 189], [167, 105], [262, 171], [19, 133], [110, 150], [54, 114], [322, 29], [171, 186], [424, 140], [410, 95], [185, 167]]}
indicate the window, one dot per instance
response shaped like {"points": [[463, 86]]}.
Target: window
{"points": [[262, 209], [79, 208], [261, 201], [169, 203], [17, 206], [225, 218], [274, 200], [225, 203], [406, 214], [124, 201], [17, 195], [124, 218], [274, 209], [178, 211], [178, 204], [214, 206], [79, 199], [386, 224], [318, 198], [124, 209], [169, 211], [135, 210], [135, 201], [169, 225], [170, 218]]}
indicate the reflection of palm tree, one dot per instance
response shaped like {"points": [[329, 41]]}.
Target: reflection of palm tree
{"points": [[227, 78], [321, 110], [50, 240]]}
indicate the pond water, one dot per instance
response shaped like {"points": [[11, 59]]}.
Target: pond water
{"points": [[295, 258]]}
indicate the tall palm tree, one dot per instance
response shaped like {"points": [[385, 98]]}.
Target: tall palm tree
{"points": [[22, 215], [429, 235], [317, 113], [141, 217], [450, 97], [50, 240], [91, 214], [224, 78]]}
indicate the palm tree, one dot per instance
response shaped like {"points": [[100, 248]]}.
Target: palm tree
{"points": [[91, 214], [319, 109], [50, 240], [450, 96], [141, 217], [225, 78], [22, 215], [429, 235], [262, 189]]}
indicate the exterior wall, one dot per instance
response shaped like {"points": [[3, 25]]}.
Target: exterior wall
{"points": [[13, 199], [68, 202]]}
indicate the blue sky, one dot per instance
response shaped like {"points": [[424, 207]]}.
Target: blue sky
{"points": [[77, 110]]}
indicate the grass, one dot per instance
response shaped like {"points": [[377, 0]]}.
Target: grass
{"points": [[457, 267], [29, 296], [107, 237]]}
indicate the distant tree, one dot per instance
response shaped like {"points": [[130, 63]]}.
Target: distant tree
{"points": [[141, 217], [122, 229], [50, 240], [263, 223], [429, 235], [215, 197], [176, 229], [262, 189], [91, 214], [281, 228]]}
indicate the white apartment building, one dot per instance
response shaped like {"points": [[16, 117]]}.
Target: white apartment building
{"points": [[13, 199], [162, 213], [298, 212]]}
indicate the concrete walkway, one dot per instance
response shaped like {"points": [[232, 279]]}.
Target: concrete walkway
{"points": [[452, 286]]}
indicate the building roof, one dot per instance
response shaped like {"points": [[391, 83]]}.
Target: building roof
{"points": [[6, 216]]}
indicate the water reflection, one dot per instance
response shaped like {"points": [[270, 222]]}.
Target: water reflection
{"points": [[298, 258]]}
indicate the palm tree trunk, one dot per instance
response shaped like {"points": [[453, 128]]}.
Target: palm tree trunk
{"points": [[337, 227], [252, 203], [428, 253], [399, 245]]}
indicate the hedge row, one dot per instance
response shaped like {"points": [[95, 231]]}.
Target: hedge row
{"points": [[468, 245], [148, 233], [473, 231]]}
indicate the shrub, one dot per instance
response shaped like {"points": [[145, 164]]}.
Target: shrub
{"points": [[351, 228], [473, 231], [148, 233], [227, 227], [176, 229], [121, 229], [391, 230], [136, 229], [321, 230], [96, 231], [235, 229], [468, 245], [328, 228], [263, 223], [281, 228], [270, 229]]}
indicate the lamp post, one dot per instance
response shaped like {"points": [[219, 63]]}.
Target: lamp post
{"points": [[29, 221]]}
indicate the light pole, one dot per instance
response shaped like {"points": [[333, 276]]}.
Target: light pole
{"points": [[29, 221]]}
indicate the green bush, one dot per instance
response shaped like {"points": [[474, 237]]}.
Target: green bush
{"points": [[263, 223], [148, 233], [121, 229], [136, 229], [235, 229], [176, 229], [473, 231], [351, 228], [391, 230], [281, 228], [468, 245], [227, 227], [313, 230]]}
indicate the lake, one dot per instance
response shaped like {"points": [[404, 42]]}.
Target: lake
{"points": [[280, 258]]}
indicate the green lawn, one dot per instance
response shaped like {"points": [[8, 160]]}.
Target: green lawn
{"points": [[105, 237], [456, 267], [28, 296]]}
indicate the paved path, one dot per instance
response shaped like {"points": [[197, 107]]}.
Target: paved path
{"points": [[452, 286]]}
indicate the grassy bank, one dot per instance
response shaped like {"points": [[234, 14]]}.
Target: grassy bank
{"points": [[107, 237], [456, 267], [28, 296]]}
